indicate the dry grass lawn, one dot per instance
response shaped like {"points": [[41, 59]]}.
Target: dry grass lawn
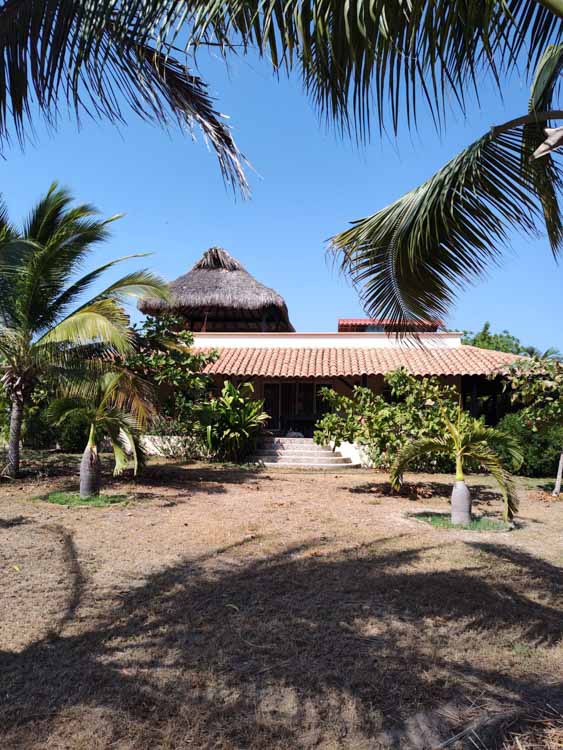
{"points": [[230, 609]]}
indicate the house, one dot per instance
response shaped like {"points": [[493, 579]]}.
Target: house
{"points": [[248, 325]]}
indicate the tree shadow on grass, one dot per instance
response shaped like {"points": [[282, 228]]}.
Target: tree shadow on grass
{"points": [[296, 650]]}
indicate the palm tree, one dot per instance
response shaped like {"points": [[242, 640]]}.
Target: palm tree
{"points": [[117, 408], [409, 258], [103, 57], [467, 439], [46, 328]]}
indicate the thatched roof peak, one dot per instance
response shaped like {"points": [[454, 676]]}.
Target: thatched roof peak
{"points": [[218, 257], [218, 293]]}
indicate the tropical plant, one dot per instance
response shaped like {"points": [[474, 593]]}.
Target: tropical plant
{"points": [[117, 407], [164, 356], [232, 421], [466, 439], [410, 408], [409, 258], [46, 327], [541, 448], [354, 56], [536, 387]]}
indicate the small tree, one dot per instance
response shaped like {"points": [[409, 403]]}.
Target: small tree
{"points": [[164, 356], [537, 387], [466, 439], [45, 326], [117, 408], [414, 408]]}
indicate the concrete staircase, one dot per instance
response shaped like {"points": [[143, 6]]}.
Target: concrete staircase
{"points": [[300, 453]]}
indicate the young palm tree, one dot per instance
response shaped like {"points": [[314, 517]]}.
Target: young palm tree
{"points": [[101, 56], [409, 258], [46, 327], [467, 439], [117, 408]]}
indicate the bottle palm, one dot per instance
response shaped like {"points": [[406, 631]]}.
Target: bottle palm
{"points": [[47, 329], [117, 405], [467, 440]]}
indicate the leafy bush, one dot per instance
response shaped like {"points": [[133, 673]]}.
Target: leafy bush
{"points": [[37, 430], [72, 434], [541, 446], [233, 422], [164, 357], [416, 408]]}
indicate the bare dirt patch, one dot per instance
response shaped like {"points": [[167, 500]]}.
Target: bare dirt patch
{"points": [[236, 609]]}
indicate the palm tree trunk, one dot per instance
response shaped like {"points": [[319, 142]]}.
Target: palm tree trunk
{"points": [[461, 498], [16, 419], [461, 504], [90, 469]]}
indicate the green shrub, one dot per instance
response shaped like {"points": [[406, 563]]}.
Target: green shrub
{"points": [[72, 434], [37, 432], [541, 447], [414, 408], [233, 421]]}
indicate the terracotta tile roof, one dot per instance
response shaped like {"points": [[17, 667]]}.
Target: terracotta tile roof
{"points": [[327, 362], [385, 322]]}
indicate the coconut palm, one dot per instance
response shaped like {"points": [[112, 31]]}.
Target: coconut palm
{"points": [[47, 329], [467, 440], [104, 57], [409, 258], [117, 407]]}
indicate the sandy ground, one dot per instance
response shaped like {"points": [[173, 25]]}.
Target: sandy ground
{"points": [[225, 608]]}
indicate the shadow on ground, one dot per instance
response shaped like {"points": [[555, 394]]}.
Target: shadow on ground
{"points": [[481, 494], [297, 650]]}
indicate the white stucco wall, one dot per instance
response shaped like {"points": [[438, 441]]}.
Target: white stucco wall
{"points": [[356, 453], [325, 340]]}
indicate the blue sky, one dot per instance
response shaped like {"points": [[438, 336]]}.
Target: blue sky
{"points": [[308, 184]]}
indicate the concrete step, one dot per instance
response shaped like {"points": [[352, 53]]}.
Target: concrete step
{"points": [[287, 441], [298, 450], [305, 460], [320, 466]]}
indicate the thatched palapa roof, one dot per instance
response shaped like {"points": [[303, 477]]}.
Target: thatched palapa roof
{"points": [[218, 293]]}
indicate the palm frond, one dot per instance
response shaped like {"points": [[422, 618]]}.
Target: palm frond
{"points": [[544, 172], [99, 56], [62, 409], [492, 463], [414, 450], [15, 255], [353, 56], [102, 320], [499, 441], [409, 258], [137, 284], [389, 55], [123, 431], [129, 393], [55, 240], [76, 289]]}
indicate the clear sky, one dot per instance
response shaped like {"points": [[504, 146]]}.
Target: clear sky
{"points": [[308, 184]]}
